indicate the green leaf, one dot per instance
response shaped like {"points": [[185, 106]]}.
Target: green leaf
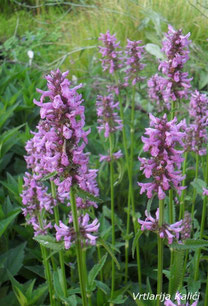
{"points": [[198, 184], [48, 176], [176, 271], [13, 263], [154, 50], [18, 290], [203, 81], [8, 139], [95, 270], [5, 114], [149, 204], [119, 300], [72, 300], [86, 195], [57, 284], [49, 242], [190, 244], [39, 293], [102, 286], [37, 269], [136, 238], [5, 222], [109, 250]]}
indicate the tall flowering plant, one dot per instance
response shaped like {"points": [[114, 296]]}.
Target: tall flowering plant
{"points": [[165, 161], [126, 67], [56, 153], [109, 122], [174, 84], [163, 167]]}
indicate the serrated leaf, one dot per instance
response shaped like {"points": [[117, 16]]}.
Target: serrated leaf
{"points": [[154, 50], [176, 272], [8, 139], [38, 293], [49, 242], [198, 184], [119, 300], [86, 195], [48, 176], [102, 286], [57, 284], [71, 300], [13, 263], [95, 270], [190, 244], [5, 222], [149, 204], [37, 269], [136, 238], [109, 250]]}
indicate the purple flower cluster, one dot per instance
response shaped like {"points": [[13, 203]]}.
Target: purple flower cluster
{"points": [[35, 199], [157, 85], [180, 230], [170, 232], [86, 228], [196, 133], [134, 53], [187, 226], [179, 301], [205, 192], [161, 143], [111, 56], [108, 118], [107, 158], [175, 83], [58, 147]]}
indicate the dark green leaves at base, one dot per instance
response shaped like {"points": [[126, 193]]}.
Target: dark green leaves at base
{"points": [[12, 261]]}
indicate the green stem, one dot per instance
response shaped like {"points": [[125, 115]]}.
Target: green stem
{"points": [[78, 247], [171, 206], [100, 292], [182, 199], [48, 274], [198, 252], [47, 268], [85, 276], [112, 211], [194, 195], [172, 114], [127, 240], [160, 252], [206, 293], [171, 222], [61, 256], [131, 190], [99, 259]]}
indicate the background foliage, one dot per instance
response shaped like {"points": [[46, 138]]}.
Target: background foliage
{"points": [[66, 36]]}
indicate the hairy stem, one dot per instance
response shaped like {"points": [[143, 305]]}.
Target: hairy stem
{"points": [[78, 248], [182, 199], [198, 252], [61, 256], [112, 210], [129, 162], [160, 252], [196, 176], [47, 268]]}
